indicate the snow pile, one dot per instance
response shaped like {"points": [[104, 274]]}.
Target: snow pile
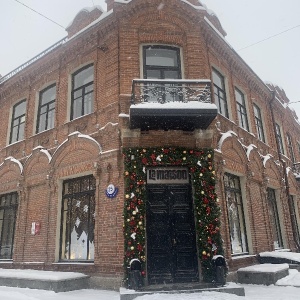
{"points": [[39, 275], [293, 279], [270, 268], [282, 254]]}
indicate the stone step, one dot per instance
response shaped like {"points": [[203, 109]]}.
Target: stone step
{"points": [[126, 294], [44, 280], [266, 274]]}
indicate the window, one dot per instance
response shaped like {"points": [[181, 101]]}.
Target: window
{"points": [[8, 214], [82, 92], [46, 110], [241, 109], [274, 218], [219, 92], [161, 62], [259, 123], [279, 139], [18, 122], [294, 218], [236, 217], [290, 148], [78, 219]]}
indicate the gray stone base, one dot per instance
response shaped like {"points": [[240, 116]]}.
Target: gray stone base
{"points": [[266, 277], [51, 285], [126, 294], [107, 283]]}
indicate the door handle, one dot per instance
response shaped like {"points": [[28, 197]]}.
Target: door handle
{"points": [[174, 242]]}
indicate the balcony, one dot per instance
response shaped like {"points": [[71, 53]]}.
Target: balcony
{"points": [[171, 104]]}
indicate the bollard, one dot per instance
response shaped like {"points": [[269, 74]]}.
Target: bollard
{"points": [[134, 274], [220, 269]]}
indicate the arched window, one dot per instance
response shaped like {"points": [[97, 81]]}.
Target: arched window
{"points": [[78, 219]]}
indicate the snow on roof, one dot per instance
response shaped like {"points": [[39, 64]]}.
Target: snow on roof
{"points": [[282, 254], [47, 154], [224, 136], [43, 150], [85, 136], [123, 115], [249, 149], [273, 84], [86, 9], [262, 268], [12, 159], [122, 1], [79, 135], [103, 16], [39, 275], [266, 158], [217, 31], [194, 6], [109, 123]]}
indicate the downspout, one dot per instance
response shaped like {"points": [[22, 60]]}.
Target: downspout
{"points": [[287, 187]]}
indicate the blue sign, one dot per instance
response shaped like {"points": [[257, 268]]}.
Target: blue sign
{"points": [[111, 191]]}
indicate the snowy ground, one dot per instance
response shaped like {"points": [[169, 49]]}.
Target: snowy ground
{"points": [[252, 292], [285, 288]]}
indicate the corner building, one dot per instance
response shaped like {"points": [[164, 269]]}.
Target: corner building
{"points": [[143, 135]]}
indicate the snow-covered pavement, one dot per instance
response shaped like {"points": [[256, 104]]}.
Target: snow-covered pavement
{"points": [[253, 292], [287, 288]]}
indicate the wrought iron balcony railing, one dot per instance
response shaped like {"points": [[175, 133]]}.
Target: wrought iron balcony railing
{"points": [[171, 104], [170, 90]]}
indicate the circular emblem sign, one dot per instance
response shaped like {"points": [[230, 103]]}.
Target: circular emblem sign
{"points": [[111, 191]]}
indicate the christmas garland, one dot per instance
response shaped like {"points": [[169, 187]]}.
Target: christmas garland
{"points": [[207, 211]]}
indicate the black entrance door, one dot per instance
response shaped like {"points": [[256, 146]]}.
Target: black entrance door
{"points": [[171, 244]]}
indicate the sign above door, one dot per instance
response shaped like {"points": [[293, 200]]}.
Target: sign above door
{"points": [[168, 175]]}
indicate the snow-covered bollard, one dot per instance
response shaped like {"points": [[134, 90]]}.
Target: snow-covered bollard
{"points": [[134, 274], [220, 269]]}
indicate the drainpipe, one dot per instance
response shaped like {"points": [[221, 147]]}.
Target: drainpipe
{"points": [[287, 187]]}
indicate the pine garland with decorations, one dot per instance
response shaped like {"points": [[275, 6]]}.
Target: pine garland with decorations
{"points": [[207, 210]]}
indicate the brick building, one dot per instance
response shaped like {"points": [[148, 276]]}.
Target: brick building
{"points": [[143, 135]]}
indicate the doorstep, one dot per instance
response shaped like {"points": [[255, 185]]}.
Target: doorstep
{"points": [[127, 294]]}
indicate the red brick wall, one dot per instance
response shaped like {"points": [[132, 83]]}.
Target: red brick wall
{"points": [[114, 47]]}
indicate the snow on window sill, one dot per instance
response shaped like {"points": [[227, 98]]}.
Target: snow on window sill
{"points": [[242, 255]]}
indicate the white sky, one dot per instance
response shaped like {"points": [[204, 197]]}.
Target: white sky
{"points": [[24, 34]]}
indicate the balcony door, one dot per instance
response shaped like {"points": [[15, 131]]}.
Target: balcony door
{"points": [[161, 62]]}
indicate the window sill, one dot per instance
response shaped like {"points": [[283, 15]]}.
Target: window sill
{"points": [[78, 118], [14, 143], [282, 250], [241, 256], [44, 131], [74, 263]]}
